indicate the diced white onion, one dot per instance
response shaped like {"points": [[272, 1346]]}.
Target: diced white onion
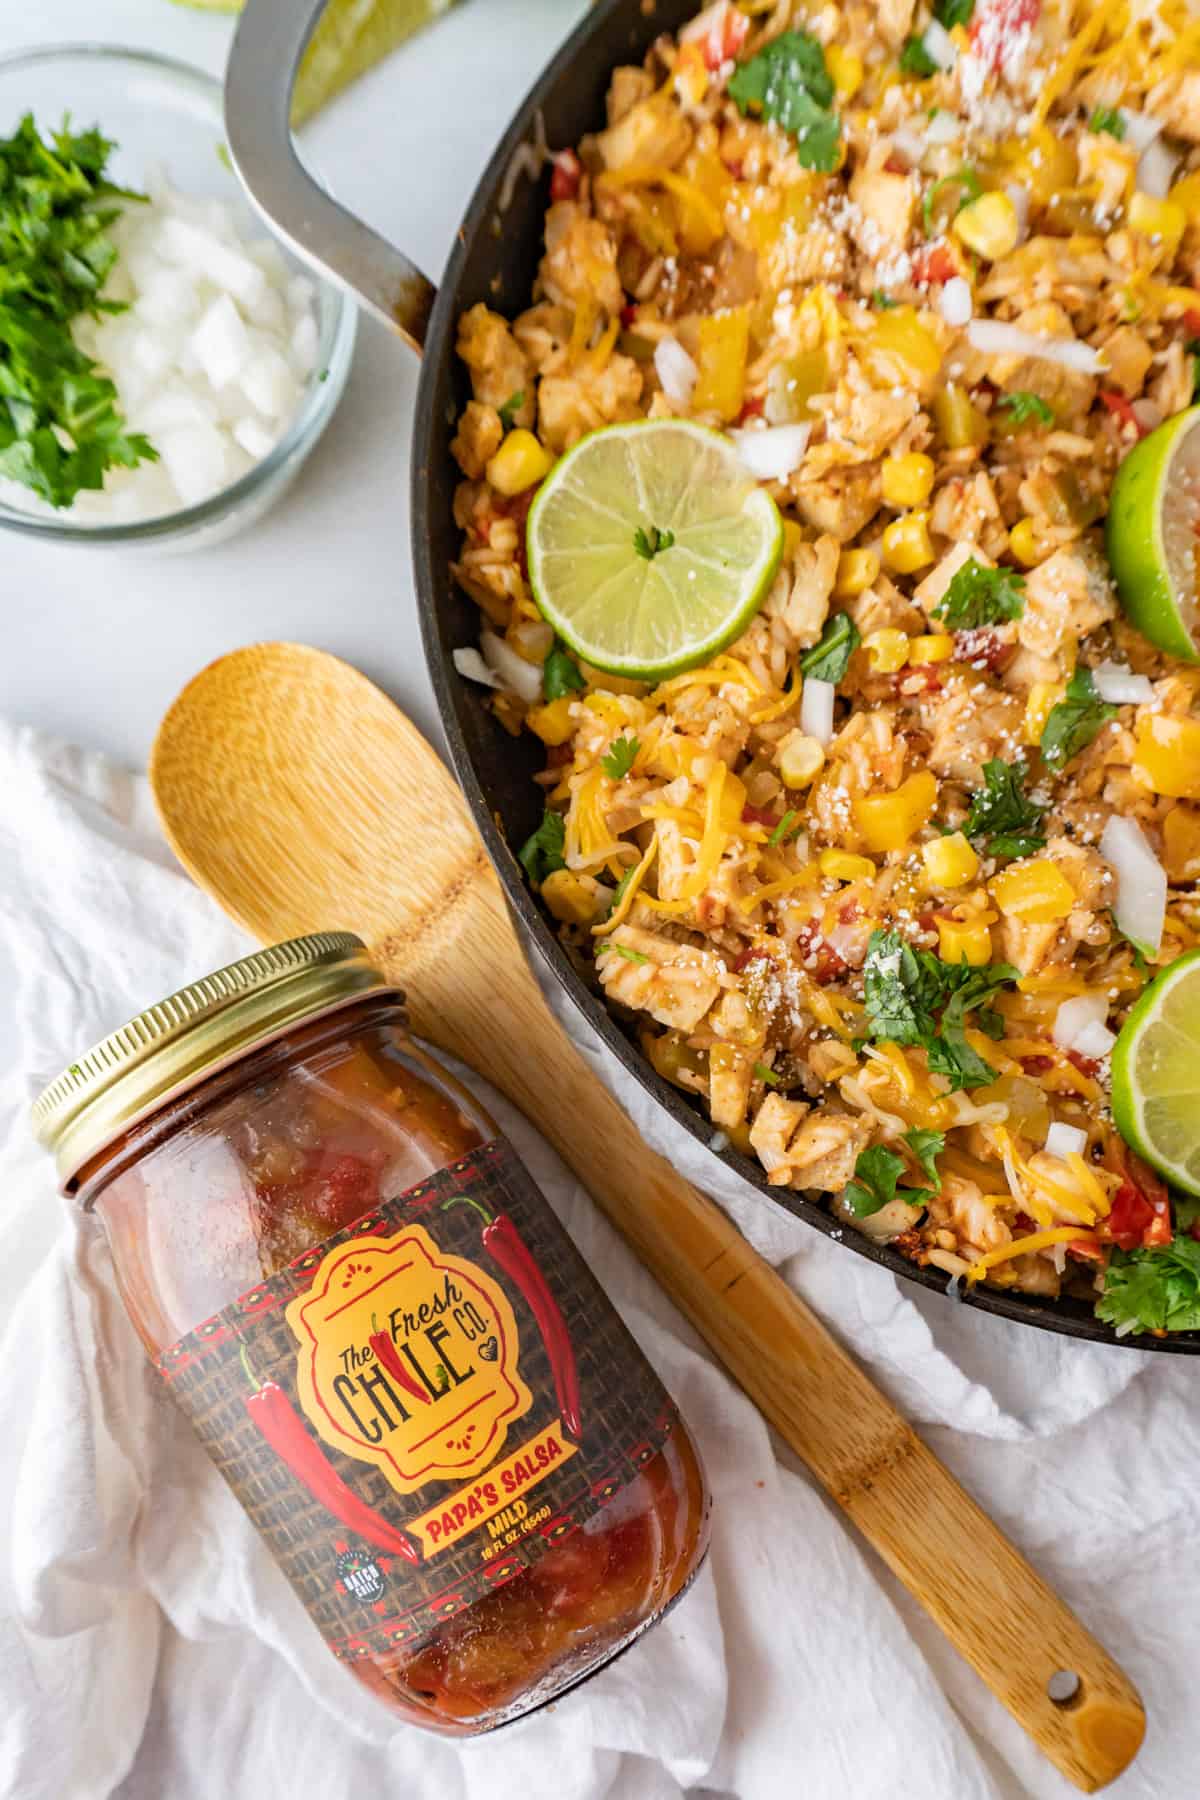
{"points": [[944, 128], [1095, 1041], [1065, 1140], [940, 47], [472, 667], [816, 709], [676, 370], [955, 304], [524, 678], [1140, 129], [1156, 170], [1141, 902], [908, 144], [994, 337], [718, 1141], [221, 342], [1074, 1016], [1148, 413], [772, 453], [1120, 686], [1020, 198]]}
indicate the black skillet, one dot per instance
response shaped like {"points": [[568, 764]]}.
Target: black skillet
{"points": [[495, 259]]}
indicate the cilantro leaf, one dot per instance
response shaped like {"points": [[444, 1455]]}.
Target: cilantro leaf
{"points": [[787, 81], [1002, 815], [622, 950], [915, 58], [1078, 717], [783, 830], [926, 1146], [619, 758], [953, 12], [1108, 119], [542, 852], [883, 300], [560, 673], [60, 424], [618, 893], [978, 596], [1153, 1290], [1024, 407], [876, 1175], [830, 655], [766, 1074], [511, 408], [913, 997], [648, 542]]}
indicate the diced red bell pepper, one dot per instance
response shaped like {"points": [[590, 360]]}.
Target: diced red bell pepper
{"points": [[983, 647], [934, 265], [996, 26], [1122, 409], [720, 31], [758, 815], [565, 176], [1141, 1210], [753, 409]]}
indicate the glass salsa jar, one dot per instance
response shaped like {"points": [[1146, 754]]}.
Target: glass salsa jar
{"points": [[385, 1340]]}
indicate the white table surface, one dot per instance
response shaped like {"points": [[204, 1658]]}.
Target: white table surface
{"points": [[94, 646]]}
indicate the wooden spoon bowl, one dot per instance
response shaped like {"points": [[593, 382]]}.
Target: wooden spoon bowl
{"points": [[302, 799]]}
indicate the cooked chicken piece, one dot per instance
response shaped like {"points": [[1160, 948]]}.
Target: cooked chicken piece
{"points": [[893, 1219], [1068, 391], [1176, 102], [969, 722], [730, 1073], [893, 19], [652, 131], [1106, 167], [1128, 356], [830, 1059], [477, 439], [1024, 945], [840, 503], [962, 1209], [800, 604], [802, 1151], [569, 405], [734, 1021], [676, 984], [628, 86], [580, 264], [490, 351], [966, 509], [1066, 596], [543, 332], [886, 203]]}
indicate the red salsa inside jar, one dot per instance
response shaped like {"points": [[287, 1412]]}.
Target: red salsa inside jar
{"points": [[391, 1349]]}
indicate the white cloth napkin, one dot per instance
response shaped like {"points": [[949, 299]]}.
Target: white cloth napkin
{"points": [[150, 1649]]}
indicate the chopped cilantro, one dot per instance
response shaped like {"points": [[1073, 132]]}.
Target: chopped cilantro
{"points": [[766, 1075], [926, 1146], [60, 424], [962, 187], [633, 956], [830, 655], [649, 542], [1024, 408], [1153, 1290], [619, 759], [1187, 1210], [511, 408], [913, 997], [953, 12], [1002, 814], [788, 82], [542, 852], [883, 301], [1108, 119], [978, 596], [620, 889], [876, 1175], [1075, 721], [783, 830], [1139, 955], [915, 59], [560, 673]]}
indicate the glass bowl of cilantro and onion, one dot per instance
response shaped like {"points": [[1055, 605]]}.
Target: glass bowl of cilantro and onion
{"points": [[165, 365]]}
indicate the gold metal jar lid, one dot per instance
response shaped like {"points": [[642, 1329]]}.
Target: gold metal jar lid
{"points": [[204, 1027]]}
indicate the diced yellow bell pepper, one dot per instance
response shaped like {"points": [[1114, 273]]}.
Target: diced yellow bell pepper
{"points": [[907, 480], [1035, 892], [1167, 758], [1044, 163], [801, 760], [846, 70], [887, 649], [906, 543], [1186, 194], [1044, 696], [552, 722], [857, 570], [1163, 221], [969, 942], [671, 1057], [793, 537], [950, 861], [795, 380], [1022, 541], [901, 333], [959, 421], [843, 865], [519, 463], [724, 339], [887, 820], [569, 899], [937, 646], [1181, 844], [989, 226]]}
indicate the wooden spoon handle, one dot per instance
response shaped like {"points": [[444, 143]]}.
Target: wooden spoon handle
{"points": [[997, 1612]]}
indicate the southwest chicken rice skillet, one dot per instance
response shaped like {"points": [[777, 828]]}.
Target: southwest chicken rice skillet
{"points": [[854, 881]]}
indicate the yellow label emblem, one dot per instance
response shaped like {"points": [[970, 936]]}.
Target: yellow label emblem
{"points": [[408, 1359]]}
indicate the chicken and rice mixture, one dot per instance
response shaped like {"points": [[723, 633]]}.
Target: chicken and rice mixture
{"points": [[852, 883]]}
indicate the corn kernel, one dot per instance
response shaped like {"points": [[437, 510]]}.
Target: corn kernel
{"points": [[969, 943], [857, 570], [887, 649], [843, 865], [1167, 758], [950, 861], [1186, 194], [1165, 221], [1044, 696], [801, 759], [793, 537], [552, 722], [901, 333], [518, 463], [906, 545], [907, 480], [846, 69], [1035, 892], [1022, 541], [887, 820], [989, 226], [569, 899], [937, 647]]}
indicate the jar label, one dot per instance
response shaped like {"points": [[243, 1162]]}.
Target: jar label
{"points": [[405, 1413]]}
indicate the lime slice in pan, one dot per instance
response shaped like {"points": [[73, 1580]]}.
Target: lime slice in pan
{"points": [[1156, 1074], [651, 547], [1153, 527]]}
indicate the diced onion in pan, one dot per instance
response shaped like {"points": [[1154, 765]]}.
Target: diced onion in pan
{"points": [[472, 667], [1074, 1016], [772, 454], [1156, 170], [816, 709], [1120, 686], [523, 678], [1065, 1140], [1095, 1041], [1141, 903], [676, 370], [939, 46], [994, 337], [955, 304], [1140, 129]]}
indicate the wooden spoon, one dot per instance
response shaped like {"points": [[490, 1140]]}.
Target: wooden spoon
{"points": [[303, 799]]}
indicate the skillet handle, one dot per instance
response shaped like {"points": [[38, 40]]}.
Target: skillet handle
{"points": [[271, 38]]}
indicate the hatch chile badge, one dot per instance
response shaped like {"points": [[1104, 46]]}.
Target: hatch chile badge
{"points": [[408, 1359]]}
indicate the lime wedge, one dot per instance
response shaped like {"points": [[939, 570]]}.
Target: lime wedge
{"points": [[651, 548], [352, 36], [1156, 1074], [1153, 527]]}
